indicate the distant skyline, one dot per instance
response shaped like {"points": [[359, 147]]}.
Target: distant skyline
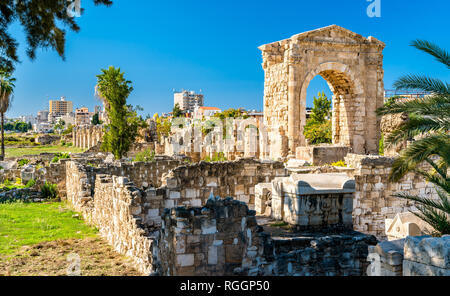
{"points": [[213, 46]]}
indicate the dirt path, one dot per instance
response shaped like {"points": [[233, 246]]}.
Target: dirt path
{"points": [[97, 258]]}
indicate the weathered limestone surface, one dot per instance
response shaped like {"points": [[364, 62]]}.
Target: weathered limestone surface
{"points": [[353, 67], [427, 256], [321, 155], [193, 184], [386, 258], [411, 256], [87, 136], [406, 224], [213, 240], [373, 201], [390, 123], [118, 207], [319, 254], [263, 198], [313, 200]]}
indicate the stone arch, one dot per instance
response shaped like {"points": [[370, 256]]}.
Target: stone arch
{"points": [[348, 100], [353, 67]]}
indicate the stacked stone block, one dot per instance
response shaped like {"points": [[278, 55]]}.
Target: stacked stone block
{"points": [[374, 201], [192, 185], [218, 239]]}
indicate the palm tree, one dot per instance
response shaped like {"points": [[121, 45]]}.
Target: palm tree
{"points": [[429, 125], [6, 96]]}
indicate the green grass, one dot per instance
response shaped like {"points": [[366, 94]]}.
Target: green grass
{"points": [[279, 224], [17, 152], [23, 224]]}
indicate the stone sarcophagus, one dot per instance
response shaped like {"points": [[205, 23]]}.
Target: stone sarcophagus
{"points": [[314, 201]]}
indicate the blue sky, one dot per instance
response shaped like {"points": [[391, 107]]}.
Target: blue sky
{"points": [[212, 46]]}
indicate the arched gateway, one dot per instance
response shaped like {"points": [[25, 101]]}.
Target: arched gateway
{"points": [[353, 67]]}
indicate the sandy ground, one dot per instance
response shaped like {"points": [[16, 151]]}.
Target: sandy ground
{"points": [[58, 258]]}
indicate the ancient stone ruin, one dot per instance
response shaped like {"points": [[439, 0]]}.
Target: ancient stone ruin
{"points": [[353, 67], [276, 206]]}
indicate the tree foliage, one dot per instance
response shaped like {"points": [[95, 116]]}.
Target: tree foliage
{"points": [[43, 23], [124, 122], [177, 112], [322, 108], [429, 125], [6, 95], [96, 119], [318, 128]]}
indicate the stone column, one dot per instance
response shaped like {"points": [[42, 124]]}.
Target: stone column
{"points": [[293, 109]]}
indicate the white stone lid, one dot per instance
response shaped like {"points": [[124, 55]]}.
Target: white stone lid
{"points": [[323, 183]]}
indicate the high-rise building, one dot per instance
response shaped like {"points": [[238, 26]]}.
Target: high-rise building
{"points": [[188, 100], [60, 107]]}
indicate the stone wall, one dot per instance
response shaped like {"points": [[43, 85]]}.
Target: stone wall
{"points": [[193, 184], [373, 202], [318, 254], [321, 155], [118, 211], [412, 256], [427, 256], [218, 239]]}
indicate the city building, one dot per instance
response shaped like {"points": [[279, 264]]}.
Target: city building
{"points": [[69, 118], [42, 116], [187, 100], [28, 119], [58, 108], [200, 112], [83, 116]]}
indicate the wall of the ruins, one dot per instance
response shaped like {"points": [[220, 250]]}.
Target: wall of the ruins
{"points": [[193, 184], [118, 211], [411, 256], [339, 254], [373, 200], [214, 240], [321, 155]]}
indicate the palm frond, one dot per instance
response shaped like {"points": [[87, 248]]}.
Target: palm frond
{"points": [[420, 82], [435, 105], [418, 151], [417, 126], [439, 53], [434, 218], [428, 202]]}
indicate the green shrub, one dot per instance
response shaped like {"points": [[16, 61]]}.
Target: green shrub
{"points": [[30, 183], [216, 157], [1, 168], [59, 156], [23, 162], [318, 132], [49, 190], [381, 149], [147, 155]]}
